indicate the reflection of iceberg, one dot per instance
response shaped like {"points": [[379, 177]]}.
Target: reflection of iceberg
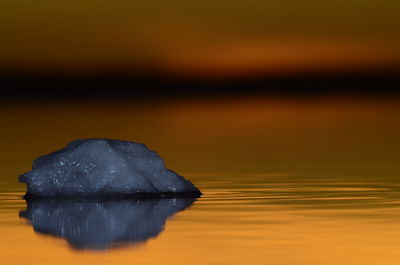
{"points": [[102, 224]]}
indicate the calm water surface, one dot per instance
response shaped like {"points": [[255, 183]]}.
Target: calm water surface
{"points": [[310, 181]]}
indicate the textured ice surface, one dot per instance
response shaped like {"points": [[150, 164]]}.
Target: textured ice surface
{"points": [[102, 224], [103, 167]]}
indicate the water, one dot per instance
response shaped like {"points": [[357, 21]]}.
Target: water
{"points": [[304, 181]]}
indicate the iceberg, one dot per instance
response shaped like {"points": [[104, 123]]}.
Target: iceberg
{"points": [[104, 168], [102, 224]]}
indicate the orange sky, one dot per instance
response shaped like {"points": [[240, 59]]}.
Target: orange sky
{"points": [[205, 38]]}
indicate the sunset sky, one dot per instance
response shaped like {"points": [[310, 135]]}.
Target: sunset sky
{"points": [[200, 38]]}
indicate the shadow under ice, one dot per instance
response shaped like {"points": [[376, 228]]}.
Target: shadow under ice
{"points": [[102, 224]]}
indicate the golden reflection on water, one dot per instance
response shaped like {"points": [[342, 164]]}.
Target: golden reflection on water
{"points": [[306, 181]]}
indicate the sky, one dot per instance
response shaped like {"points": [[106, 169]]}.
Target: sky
{"points": [[199, 38]]}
